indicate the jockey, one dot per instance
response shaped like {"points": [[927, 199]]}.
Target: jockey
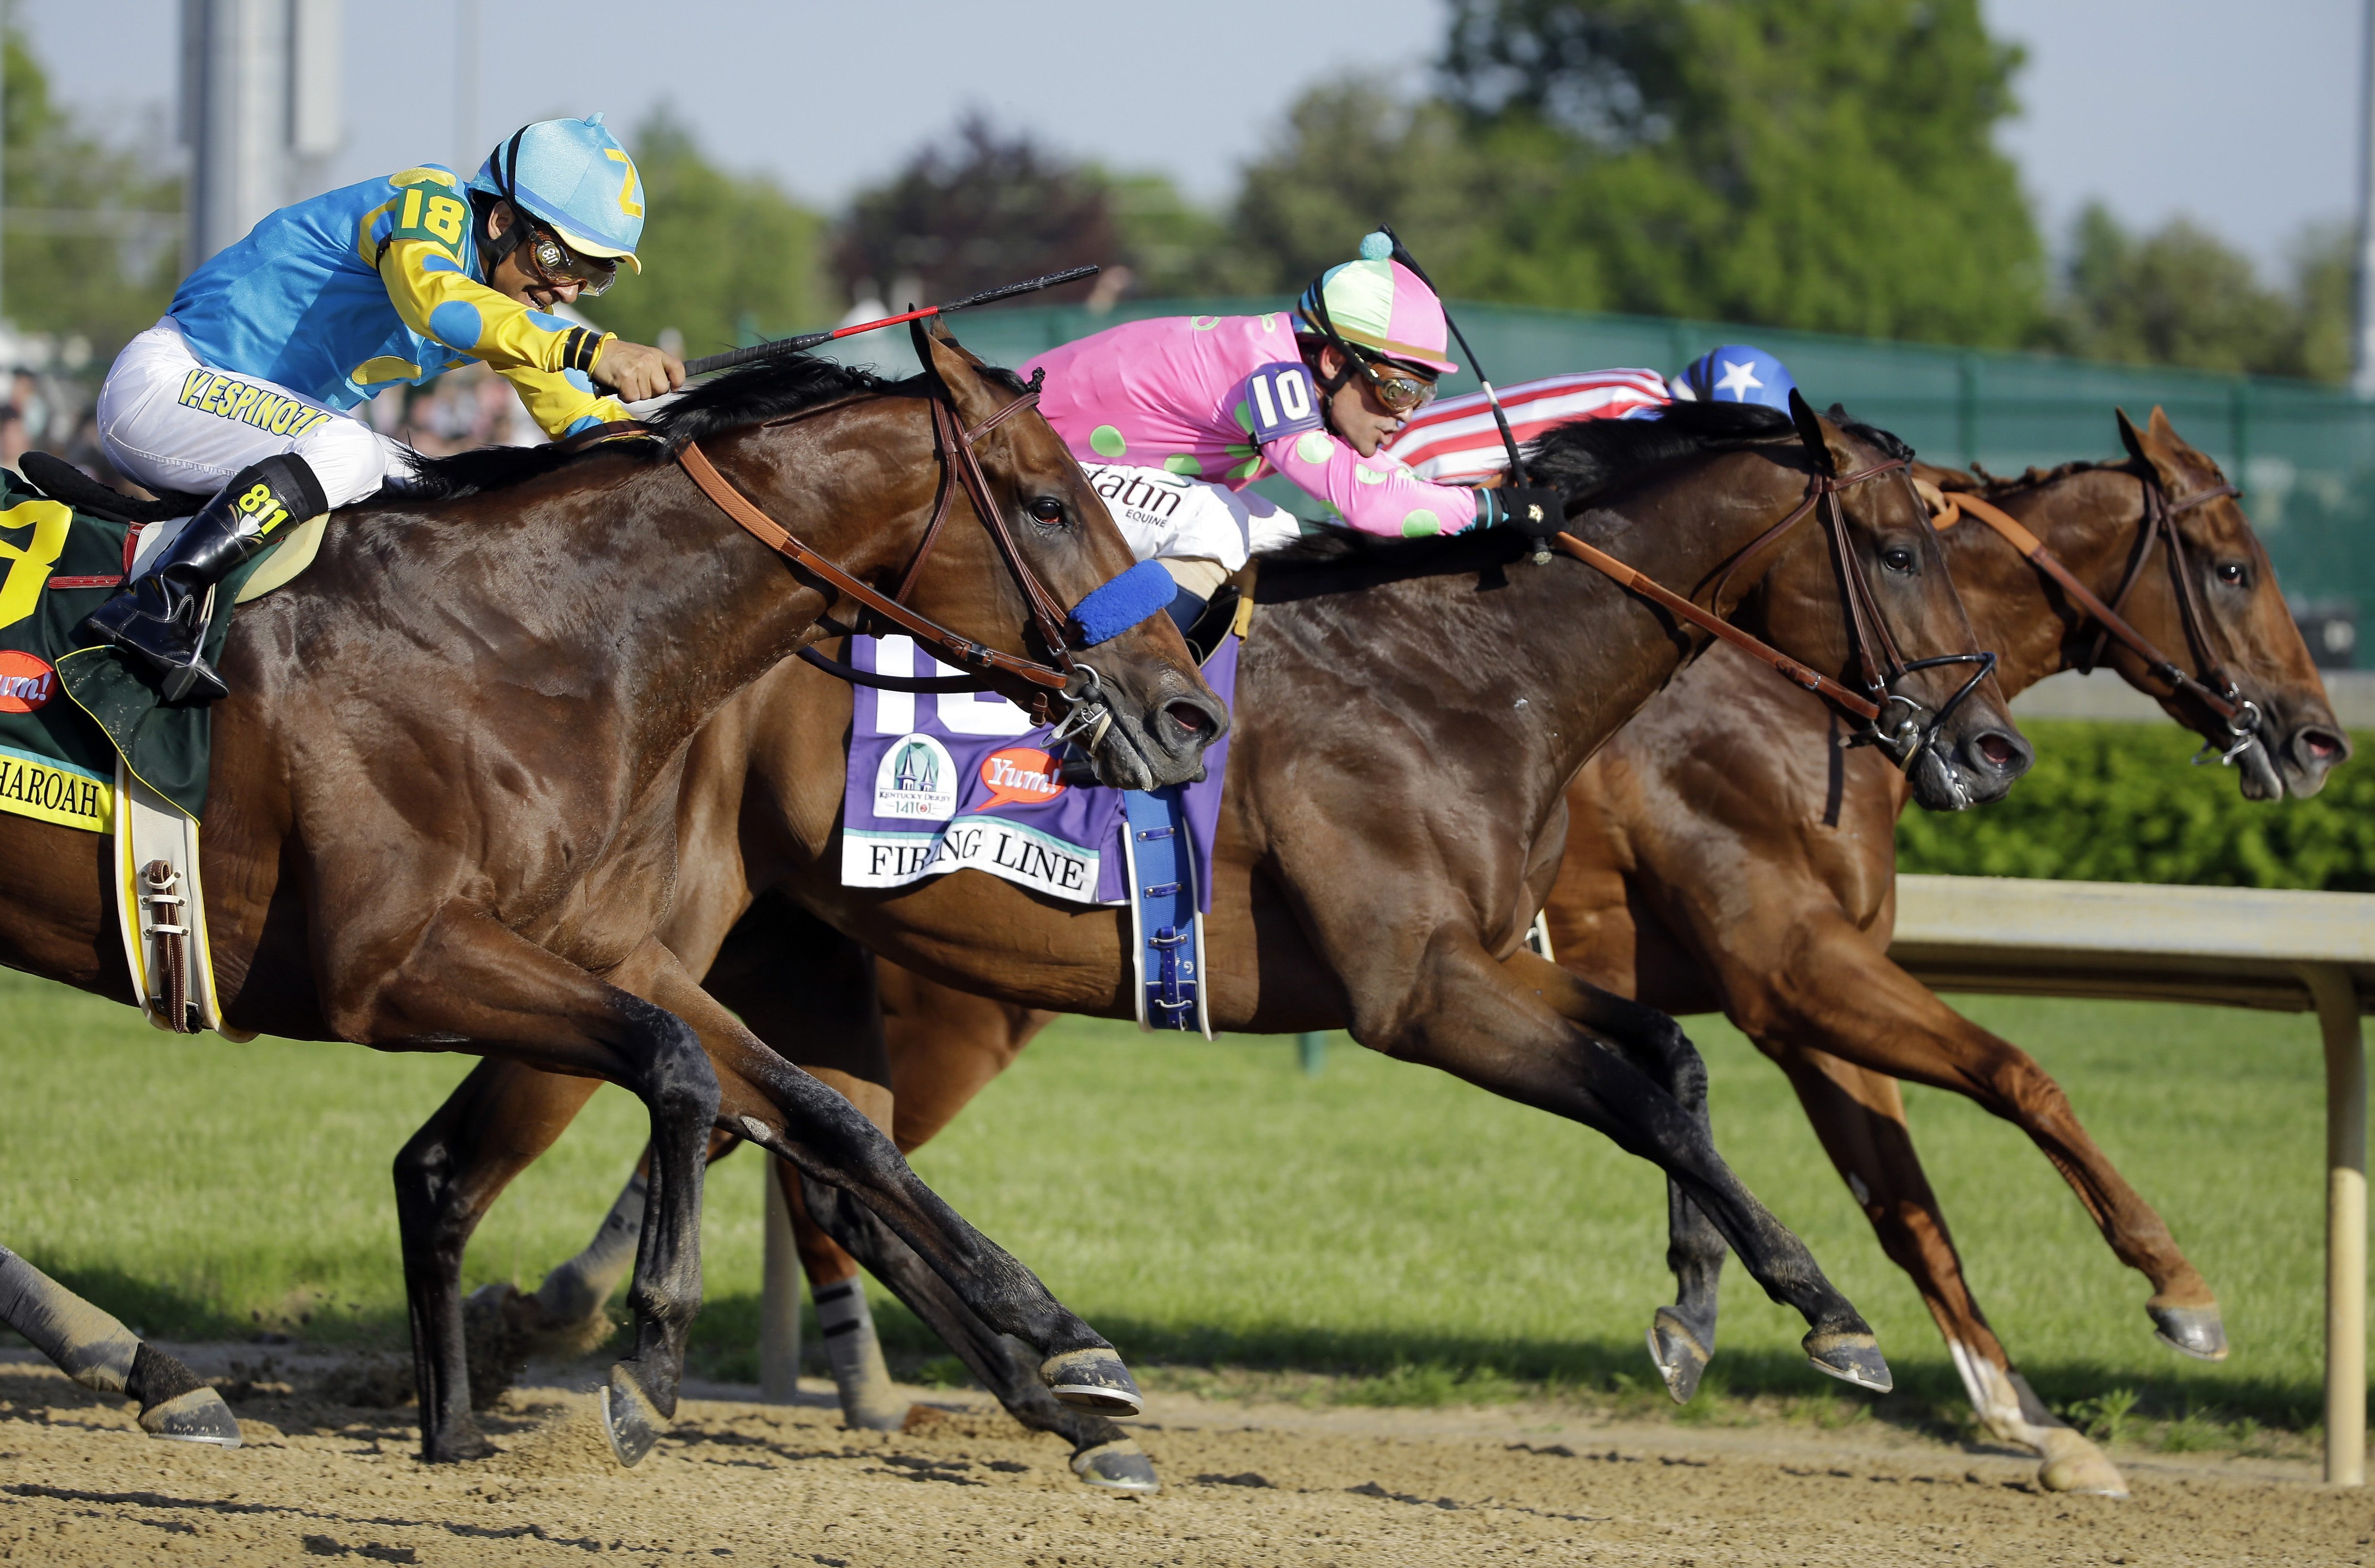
{"points": [[1456, 441], [245, 391], [1172, 417]]}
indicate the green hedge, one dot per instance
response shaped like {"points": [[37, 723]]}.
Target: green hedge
{"points": [[2116, 803]]}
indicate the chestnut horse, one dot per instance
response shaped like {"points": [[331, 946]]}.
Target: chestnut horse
{"points": [[1652, 901], [1486, 680], [444, 794]]}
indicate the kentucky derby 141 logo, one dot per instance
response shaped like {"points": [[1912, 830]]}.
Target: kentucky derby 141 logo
{"points": [[917, 780], [1021, 775], [27, 681]]}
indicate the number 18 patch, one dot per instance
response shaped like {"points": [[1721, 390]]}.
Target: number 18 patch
{"points": [[1281, 402]]}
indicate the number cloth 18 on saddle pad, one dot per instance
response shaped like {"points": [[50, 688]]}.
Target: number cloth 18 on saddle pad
{"points": [[86, 742], [941, 782]]}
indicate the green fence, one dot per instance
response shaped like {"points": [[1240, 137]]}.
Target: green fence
{"points": [[2304, 455]]}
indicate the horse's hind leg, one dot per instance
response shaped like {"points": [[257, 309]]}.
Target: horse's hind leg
{"points": [[1681, 1337], [1103, 1454], [1859, 1116], [101, 1354]]}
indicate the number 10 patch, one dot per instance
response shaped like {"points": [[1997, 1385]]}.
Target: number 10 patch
{"points": [[1281, 401]]}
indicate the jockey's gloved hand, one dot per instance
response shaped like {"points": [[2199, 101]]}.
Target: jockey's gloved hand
{"points": [[1538, 514]]}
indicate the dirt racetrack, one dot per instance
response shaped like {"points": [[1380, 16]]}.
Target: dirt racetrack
{"points": [[757, 1484]]}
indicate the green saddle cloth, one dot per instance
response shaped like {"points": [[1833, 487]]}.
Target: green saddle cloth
{"points": [[57, 758]]}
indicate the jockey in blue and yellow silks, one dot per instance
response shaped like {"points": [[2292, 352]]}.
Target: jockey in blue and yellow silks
{"points": [[245, 390]]}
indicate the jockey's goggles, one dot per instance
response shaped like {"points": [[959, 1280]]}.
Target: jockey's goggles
{"points": [[555, 266], [1400, 389]]}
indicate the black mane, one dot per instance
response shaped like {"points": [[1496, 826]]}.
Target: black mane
{"points": [[768, 390]]}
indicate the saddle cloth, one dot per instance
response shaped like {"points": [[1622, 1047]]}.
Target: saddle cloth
{"points": [[963, 780]]}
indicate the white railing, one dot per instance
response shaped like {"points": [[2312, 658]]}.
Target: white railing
{"points": [[2230, 946]]}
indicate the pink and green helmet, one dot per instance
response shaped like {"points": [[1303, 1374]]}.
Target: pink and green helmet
{"points": [[1378, 304]]}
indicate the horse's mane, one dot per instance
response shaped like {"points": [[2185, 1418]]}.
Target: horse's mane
{"points": [[1582, 459], [1992, 485], [770, 389]]}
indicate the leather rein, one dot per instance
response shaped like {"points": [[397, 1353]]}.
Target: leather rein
{"points": [[1883, 664], [2213, 689], [960, 471]]}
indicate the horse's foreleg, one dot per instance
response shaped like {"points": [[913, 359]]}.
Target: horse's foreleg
{"points": [[1858, 1006], [1681, 1337], [565, 1311], [466, 977], [1468, 1015], [797, 1116], [102, 1354], [1859, 1116]]}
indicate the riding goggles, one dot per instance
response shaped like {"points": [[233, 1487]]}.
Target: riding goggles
{"points": [[555, 266]]}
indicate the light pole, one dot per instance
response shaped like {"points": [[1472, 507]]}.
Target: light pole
{"points": [[2362, 358]]}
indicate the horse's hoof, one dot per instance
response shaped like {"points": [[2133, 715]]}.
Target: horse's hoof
{"points": [[630, 1420], [1093, 1379], [2088, 1473], [2198, 1332], [1680, 1356], [1118, 1466], [197, 1415], [1851, 1356]]}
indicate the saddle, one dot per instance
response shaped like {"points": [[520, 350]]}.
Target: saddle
{"points": [[61, 480]]}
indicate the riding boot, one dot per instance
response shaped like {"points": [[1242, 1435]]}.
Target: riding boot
{"points": [[162, 614]]}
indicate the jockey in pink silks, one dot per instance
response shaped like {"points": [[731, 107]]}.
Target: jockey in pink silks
{"points": [[1173, 418]]}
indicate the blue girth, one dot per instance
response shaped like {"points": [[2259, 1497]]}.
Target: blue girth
{"points": [[1168, 940]]}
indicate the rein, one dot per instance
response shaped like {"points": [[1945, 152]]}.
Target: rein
{"points": [[2241, 716], [1876, 651], [960, 469]]}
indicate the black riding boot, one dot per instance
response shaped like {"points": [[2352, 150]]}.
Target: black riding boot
{"points": [[160, 615]]}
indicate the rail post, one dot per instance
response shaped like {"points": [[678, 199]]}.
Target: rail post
{"points": [[1311, 1050], [779, 1295], [2346, 1222]]}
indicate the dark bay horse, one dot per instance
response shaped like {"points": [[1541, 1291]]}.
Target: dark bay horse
{"points": [[1407, 714], [443, 801], [1652, 897]]}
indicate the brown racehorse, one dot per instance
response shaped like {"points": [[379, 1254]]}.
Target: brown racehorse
{"points": [[444, 799], [1650, 901], [1408, 713]]}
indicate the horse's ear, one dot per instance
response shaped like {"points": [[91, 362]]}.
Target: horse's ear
{"points": [[2132, 438], [960, 373], [1809, 431]]}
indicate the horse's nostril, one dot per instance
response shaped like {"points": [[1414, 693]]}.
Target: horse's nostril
{"points": [[1189, 717], [1998, 748], [2322, 746]]}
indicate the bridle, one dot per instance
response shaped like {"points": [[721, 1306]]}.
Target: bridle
{"points": [[1027, 681], [1892, 720], [2213, 689]]}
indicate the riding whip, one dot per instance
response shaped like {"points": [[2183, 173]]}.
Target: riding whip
{"points": [[1400, 253], [733, 357]]}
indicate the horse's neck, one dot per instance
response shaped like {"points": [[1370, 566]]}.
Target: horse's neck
{"points": [[2089, 521]]}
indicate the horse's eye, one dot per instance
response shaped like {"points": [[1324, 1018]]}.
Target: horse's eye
{"points": [[1897, 558], [1047, 509], [2234, 573]]}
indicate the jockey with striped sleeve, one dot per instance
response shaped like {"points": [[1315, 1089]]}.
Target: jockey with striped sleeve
{"points": [[245, 390]]}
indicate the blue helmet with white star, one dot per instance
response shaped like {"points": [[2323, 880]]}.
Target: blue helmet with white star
{"points": [[1734, 373]]}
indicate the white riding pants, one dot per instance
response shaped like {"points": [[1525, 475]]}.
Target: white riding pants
{"points": [[173, 424], [1167, 515]]}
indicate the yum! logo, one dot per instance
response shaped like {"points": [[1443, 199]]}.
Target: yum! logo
{"points": [[1022, 775], [26, 682]]}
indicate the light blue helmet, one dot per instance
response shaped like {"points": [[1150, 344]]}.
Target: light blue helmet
{"points": [[1734, 373], [575, 177]]}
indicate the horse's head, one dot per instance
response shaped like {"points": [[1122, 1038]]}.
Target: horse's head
{"points": [[2213, 607], [1866, 597], [1146, 713]]}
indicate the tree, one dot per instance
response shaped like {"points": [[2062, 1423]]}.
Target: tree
{"points": [[981, 209], [93, 241], [2181, 296], [721, 252], [1822, 164]]}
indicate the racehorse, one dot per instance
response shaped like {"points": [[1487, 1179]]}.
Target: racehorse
{"points": [[1407, 715], [1771, 899], [444, 796]]}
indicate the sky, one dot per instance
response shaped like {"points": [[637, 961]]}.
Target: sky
{"points": [[2244, 118]]}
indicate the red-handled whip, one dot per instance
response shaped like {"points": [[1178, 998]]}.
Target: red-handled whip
{"points": [[733, 357]]}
